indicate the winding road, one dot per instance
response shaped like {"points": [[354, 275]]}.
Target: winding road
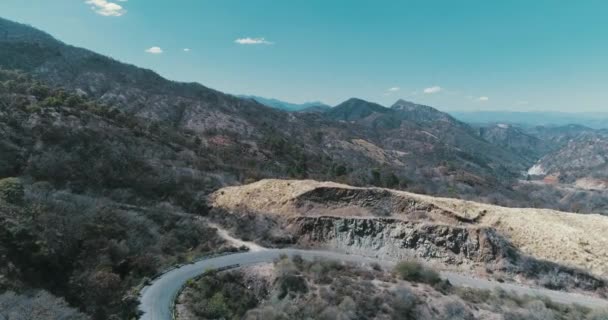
{"points": [[156, 299]]}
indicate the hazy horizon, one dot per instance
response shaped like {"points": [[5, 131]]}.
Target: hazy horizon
{"points": [[478, 56]]}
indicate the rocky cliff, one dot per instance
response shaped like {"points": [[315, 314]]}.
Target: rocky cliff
{"points": [[397, 239]]}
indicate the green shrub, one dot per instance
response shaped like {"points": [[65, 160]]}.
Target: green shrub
{"points": [[11, 190], [217, 307], [291, 284], [414, 271]]}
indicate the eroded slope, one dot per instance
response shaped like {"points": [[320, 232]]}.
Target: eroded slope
{"points": [[566, 238]]}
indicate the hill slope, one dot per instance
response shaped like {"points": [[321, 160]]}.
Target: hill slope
{"points": [[406, 146], [517, 141], [278, 143], [569, 238]]}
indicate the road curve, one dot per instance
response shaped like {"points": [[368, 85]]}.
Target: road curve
{"points": [[156, 299]]}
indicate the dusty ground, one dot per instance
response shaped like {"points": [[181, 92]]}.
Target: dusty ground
{"points": [[578, 240], [224, 234]]}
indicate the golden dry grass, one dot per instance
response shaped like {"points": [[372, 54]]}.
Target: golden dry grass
{"points": [[579, 240]]}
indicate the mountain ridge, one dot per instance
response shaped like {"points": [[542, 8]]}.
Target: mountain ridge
{"points": [[283, 105], [358, 142]]}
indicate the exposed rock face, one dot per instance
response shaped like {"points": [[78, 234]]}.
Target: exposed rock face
{"points": [[333, 200], [340, 214], [398, 239]]}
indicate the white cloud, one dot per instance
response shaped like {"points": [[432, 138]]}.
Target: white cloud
{"points": [[107, 8], [484, 98], [432, 90], [392, 90], [186, 49], [154, 50], [252, 41]]}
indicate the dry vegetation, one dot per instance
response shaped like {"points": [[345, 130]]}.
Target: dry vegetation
{"points": [[577, 240], [298, 289]]}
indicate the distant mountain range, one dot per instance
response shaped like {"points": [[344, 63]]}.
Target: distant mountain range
{"points": [[358, 142], [233, 139], [287, 106], [595, 120]]}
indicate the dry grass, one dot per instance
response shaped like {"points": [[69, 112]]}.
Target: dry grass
{"points": [[578, 240]]}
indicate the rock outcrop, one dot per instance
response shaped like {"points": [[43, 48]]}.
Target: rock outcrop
{"points": [[398, 239]]}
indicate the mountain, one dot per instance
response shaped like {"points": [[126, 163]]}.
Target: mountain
{"points": [[582, 160], [595, 120], [315, 109], [362, 143], [421, 113], [355, 109], [287, 106], [434, 137], [517, 140], [559, 135], [106, 168], [136, 91]]}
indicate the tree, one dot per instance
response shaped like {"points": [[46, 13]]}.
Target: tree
{"points": [[217, 307], [391, 181], [376, 177], [11, 190], [339, 170]]}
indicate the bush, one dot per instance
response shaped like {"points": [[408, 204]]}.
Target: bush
{"points": [[217, 307], [291, 284], [414, 271], [456, 310], [404, 304], [36, 305], [598, 315], [11, 190]]}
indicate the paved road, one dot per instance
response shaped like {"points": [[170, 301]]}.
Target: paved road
{"points": [[156, 299]]}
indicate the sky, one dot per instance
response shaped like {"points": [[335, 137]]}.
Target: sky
{"points": [[466, 55]]}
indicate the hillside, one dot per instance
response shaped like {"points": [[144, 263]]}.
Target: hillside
{"points": [[560, 237], [427, 137], [584, 156], [130, 193], [254, 141], [518, 141], [294, 288], [93, 200]]}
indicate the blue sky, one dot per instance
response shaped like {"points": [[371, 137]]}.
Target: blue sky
{"points": [[456, 55]]}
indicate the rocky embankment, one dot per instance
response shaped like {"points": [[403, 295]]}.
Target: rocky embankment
{"points": [[545, 247], [399, 239]]}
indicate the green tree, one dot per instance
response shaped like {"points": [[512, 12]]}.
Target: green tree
{"points": [[414, 271], [11, 190], [217, 307], [376, 177], [339, 170], [391, 181]]}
